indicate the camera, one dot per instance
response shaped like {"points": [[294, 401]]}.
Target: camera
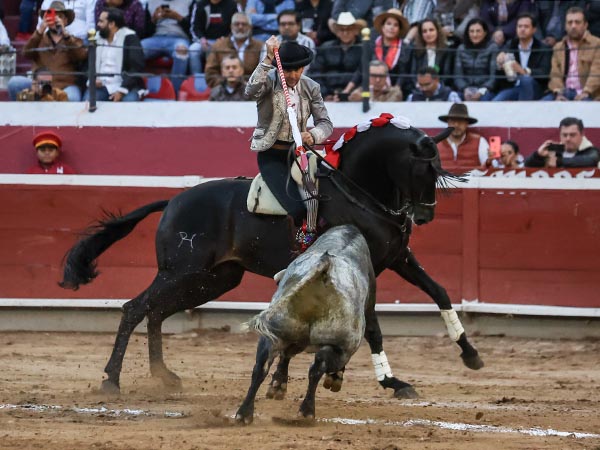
{"points": [[165, 6], [46, 88]]}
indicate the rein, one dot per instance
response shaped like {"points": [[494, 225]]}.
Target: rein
{"points": [[352, 199]]}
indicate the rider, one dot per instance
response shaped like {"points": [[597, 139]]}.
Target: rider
{"points": [[272, 138]]}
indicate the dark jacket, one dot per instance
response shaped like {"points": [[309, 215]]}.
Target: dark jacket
{"points": [[544, 10], [334, 66], [539, 62], [320, 14], [441, 95], [488, 12], [211, 21], [133, 62], [444, 63], [586, 156], [221, 94], [475, 67]]}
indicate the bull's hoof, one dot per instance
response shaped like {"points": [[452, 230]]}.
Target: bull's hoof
{"points": [[333, 381], [473, 362], [276, 390], [407, 392], [110, 387]]}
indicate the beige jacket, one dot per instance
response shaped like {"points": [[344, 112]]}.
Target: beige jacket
{"points": [[588, 65], [264, 87]]}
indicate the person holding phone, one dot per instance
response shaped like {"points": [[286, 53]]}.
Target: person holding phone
{"points": [[52, 46], [574, 149], [507, 155]]}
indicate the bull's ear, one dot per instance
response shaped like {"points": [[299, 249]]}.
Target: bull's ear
{"points": [[443, 135]]}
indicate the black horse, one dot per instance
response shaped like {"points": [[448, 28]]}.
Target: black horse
{"points": [[207, 239]]}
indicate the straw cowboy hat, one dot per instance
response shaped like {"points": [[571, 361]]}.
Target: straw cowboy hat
{"points": [[347, 19], [60, 7], [396, 14], [47, 138], [458, 111], [293, 55]]}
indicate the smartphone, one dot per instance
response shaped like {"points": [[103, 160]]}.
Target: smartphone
{"points": [[343, 96], [495, 144], [556, 148], [165, 6], [50, 16]]}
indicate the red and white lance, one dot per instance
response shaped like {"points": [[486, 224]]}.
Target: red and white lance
{"points": [[312, 204]]}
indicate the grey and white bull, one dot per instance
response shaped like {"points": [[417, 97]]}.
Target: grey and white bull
{"points": [[320, 302]]}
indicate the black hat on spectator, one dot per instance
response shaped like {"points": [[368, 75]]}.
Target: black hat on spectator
{"points": [[60, 7], [293, 55], [458, 111]]}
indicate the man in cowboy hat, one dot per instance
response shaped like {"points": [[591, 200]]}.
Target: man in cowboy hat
{"points": [[272, 138], [53, 47], [47, 145], [337, 60], [83, 16], [463, 150]]}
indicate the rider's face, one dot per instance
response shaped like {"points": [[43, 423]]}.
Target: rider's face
{"points": [[292, 77]]}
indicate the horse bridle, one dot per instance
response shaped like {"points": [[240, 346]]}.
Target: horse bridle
{"points": [[351, 198]]}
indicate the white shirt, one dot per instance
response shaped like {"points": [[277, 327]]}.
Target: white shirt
{"points": [[4, 40], [111, 65]]}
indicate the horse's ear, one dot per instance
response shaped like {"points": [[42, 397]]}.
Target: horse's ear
{"points": [[443, 135]]}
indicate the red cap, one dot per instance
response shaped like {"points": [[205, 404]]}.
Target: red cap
{"points": [[47, 137]]}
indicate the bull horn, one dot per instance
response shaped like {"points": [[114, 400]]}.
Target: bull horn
{"points": [[442, 135]]}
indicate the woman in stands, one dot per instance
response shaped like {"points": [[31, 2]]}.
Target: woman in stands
{"points": [[431, 50], [475, 63], [392, 26]]}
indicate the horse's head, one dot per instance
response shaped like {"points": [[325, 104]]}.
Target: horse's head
{"points": [[421, 175]]}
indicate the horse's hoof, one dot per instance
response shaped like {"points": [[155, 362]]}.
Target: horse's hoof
{"points": [[406, 392], [170, 380], [307, 414], [277, 391], [242, 419], [109, 387], [472, 361]]}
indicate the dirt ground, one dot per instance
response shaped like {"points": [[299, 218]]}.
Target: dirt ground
{"points": [[48, 396]]}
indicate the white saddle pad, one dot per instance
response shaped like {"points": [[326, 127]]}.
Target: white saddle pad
{"points": [[262, 201]]}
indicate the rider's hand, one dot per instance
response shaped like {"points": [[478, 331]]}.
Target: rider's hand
{"points": [[307, 138], [272, 43]]}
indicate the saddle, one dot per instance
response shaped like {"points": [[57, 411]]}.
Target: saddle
{"points": [[262, 201]]}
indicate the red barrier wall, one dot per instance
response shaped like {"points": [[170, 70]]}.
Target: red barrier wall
{"points": [[520, 246], [206, 151]]}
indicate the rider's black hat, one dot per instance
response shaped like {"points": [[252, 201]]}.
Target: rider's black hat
{"points": [[293, 55]]}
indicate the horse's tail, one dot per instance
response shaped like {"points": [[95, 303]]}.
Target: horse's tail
{"points": [[80, 260], [260, 325]]}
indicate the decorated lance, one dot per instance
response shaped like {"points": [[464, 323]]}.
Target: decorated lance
{"points": [[292, 115]]}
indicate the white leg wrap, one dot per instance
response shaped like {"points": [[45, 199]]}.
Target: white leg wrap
{"points": [[455, 328], [381, 365]]}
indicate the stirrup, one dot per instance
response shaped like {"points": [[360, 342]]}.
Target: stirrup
{"points": [[304, 237]]}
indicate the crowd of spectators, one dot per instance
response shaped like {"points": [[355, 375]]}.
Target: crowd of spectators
{"points": [[479, 49]]}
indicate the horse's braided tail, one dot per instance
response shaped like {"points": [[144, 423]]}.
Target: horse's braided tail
{"points": [[260, 325], [80, 261]]}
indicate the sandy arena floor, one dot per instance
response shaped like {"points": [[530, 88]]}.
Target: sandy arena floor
{"points": [[532, 394]]}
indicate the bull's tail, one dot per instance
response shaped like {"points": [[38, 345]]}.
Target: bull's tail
{"points": [[80, 260], [260, 325]]}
